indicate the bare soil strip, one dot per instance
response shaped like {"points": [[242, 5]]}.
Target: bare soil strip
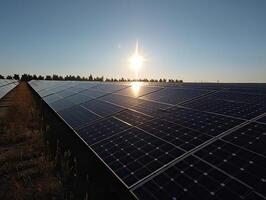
{"points": [[25, 172]]}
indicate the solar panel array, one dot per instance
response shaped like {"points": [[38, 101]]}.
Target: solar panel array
{"points": [[6, 85], [166, 141]]}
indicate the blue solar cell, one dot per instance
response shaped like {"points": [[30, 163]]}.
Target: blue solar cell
{"points": [[66, 93], [134, 154], [102, 129], [93, 93], [207, 123], [78, 98], [61, 104], [109, 87], [132, 117], [180, 136], [242, 164], [121, 100], [102, 108], [192, 178], [150, 108], [263, 119], [251, 136], [174, 95], [235, 109], [239, 97], [137, 90], [77, 116], [51, 98]]}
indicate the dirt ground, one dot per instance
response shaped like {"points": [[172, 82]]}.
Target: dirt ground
{"points": [[25, 172]]}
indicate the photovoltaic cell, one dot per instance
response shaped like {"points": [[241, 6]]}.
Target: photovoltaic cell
{"points": [[51, 98], [192, 178], [102, 108], [251, 136], [207, 123], [263, 119], [102, 129], [246, 166], [132, 117], [78, 98], [137, 91], [109, 87], [235, 109], [150, 108], [134, 154], [173, 95], [121, 100], [66, 93], [61, 104], [154, 147], [93, 93], [180, 136], [77, 116], [239, 97]]}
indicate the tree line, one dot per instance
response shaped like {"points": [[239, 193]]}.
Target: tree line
{"points": [[29, 77]]}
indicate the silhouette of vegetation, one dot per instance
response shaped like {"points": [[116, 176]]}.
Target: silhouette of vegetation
{"points": [[28, 77], [9, 77]]}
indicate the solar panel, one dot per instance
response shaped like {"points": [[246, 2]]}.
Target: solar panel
{"points": [[263, 119], [242, 164], [180, 136], [102, 108], [235, 109], [150, 108], [251, 137], [239, 97], [51, 98], [61, 104], [136, 90], [208, 123], [77, 116], [102, 129], [6, 86], [66, 93], [109, 87], [132, 117], [173, 95], [78, 98], [121, 100], [134, 154], [93, 93], [211, 146], [193, 178]]}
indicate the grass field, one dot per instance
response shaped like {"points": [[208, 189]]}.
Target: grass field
{"points": [[23, 162]]}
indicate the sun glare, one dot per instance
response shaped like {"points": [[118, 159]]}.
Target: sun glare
{"points": [[136, 60]]}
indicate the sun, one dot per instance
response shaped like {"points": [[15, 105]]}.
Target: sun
{"points": [[136, 60]]}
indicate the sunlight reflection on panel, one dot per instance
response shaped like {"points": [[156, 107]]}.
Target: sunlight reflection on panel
{"points": [[136, 86]]}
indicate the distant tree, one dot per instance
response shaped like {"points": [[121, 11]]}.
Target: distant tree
{"points": [[34, 77], [40, 77], [48, 77], [16, 77], [90, 78], [26, 77], [78, 78], [9, 77], [1, 76], [55, 77]]}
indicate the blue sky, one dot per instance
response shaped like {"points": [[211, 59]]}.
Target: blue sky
{"points": [[193, 40]]}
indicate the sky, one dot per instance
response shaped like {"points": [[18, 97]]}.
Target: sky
{"points": [[192, 40]]}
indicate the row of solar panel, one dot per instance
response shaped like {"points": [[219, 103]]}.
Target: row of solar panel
{"points": [[6, 86], [144, 141]]}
